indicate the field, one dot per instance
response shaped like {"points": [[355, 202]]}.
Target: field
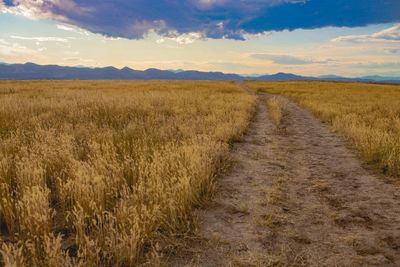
{"points": [[199, 173], [100, 173], [367, 114]]}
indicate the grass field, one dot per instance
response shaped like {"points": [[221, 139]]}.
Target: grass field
{"points": [[107, 173], [367, 114], [96, 173]]}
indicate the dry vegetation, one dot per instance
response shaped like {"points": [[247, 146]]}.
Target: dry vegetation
{"points": [[368, 114], [275, 110], [276, 107], [94, 173]]}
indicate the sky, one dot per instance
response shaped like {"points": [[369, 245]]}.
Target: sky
{"points": [[307, 37]]}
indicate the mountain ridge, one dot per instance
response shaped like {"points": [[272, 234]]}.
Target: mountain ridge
{"points": [[32, 71]]}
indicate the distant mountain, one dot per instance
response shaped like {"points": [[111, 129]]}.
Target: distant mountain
{"points": [[374, 78], [31, 71], [381, 78], [334, 77], [198, 75], [282, 77], [176, 71]]}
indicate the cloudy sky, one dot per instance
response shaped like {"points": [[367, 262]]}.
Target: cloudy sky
{"points": [[309, 37]]}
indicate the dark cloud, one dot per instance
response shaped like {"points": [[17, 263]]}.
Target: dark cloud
{"points": [[212, 18]]}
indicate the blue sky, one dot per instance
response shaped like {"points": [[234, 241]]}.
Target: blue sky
{"points": [[309, 37]]}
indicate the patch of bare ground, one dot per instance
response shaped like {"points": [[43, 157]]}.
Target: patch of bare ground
{"points": [[297, 197]]}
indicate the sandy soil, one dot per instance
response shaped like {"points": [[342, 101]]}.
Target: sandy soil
{"points": [[297, 196]]}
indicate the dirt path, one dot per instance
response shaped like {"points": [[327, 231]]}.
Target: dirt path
{"points": [[298, 197]]}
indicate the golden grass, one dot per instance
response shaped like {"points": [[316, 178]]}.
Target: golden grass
{"points": [[276, 109], [92, 173], [367, 114]]}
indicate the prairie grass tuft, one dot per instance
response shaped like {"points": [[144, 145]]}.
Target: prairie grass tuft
{"points": [[276, 110]]}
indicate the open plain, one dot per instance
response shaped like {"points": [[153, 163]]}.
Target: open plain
{"points": [[96, 173]]}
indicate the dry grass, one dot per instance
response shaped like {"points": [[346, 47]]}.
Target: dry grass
{"points": [[367, 114], [276, 110], [278, 193], [286, 257], [92, 172]]}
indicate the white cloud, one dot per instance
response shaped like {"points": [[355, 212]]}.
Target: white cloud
{"points": [[41, 39], [289, 59], [352, 38], [183, 39], [43, 9], [187, 38], [72, 29], [8, 49], [392, 33], [388, 35], [30, 9]]}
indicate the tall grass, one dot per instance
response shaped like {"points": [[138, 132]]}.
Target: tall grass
{"points": [[92, 173], [368, 114]]}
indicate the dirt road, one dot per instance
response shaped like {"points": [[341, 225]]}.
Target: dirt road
{"points": [[298, 197]]}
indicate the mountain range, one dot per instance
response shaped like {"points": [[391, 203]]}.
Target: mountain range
{"points": [[31, 71]]}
